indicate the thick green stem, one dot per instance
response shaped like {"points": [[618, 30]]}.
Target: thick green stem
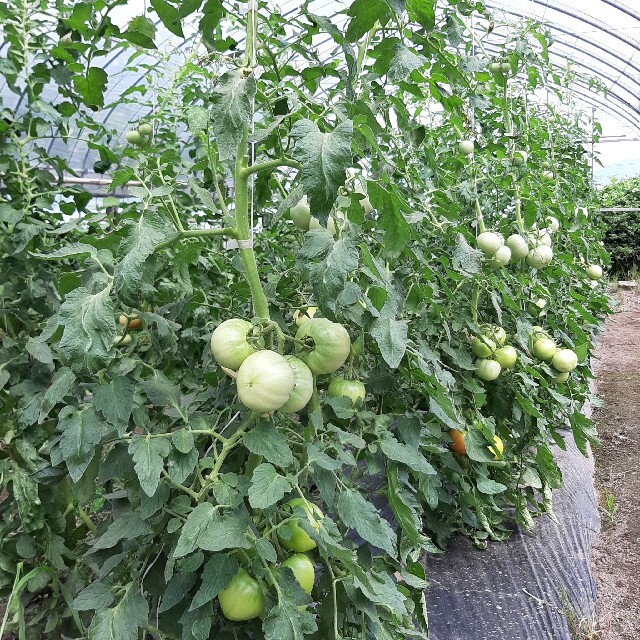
{"points": [[85, 518], [475, 297], [243, 231], [519, 220], [480, 217]]}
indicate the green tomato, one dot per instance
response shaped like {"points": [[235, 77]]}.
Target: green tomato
{"points": [[265, 381], [243, 598], [301, 214], [300, 539], [495, 333], [342, 388], [564, 360], [229, 344], [594, 272], [505, 67], [553, 224], [503, 255], [145, 129], [466, 147], [495, 67], [540, 256], [547, 175], [518, 245], [506, 356], [519, 158], [544, 349], [561, 378], [482, 346], [489, 242], [303, 570], [133, 137], [314, 223], [487, 369], [539, 237], [302, 386], [331, 345]]}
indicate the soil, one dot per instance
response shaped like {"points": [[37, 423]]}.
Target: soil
{"points": [[616, 554]]}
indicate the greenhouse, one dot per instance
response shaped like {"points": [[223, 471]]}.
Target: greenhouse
{"points": [[319, 320]]}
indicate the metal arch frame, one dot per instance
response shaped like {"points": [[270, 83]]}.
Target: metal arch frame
{"points": [[555, 27], [630, 12], [587, 19], [620, 99]]}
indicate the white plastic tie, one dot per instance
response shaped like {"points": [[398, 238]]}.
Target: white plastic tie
{"points": [[245, 244]]}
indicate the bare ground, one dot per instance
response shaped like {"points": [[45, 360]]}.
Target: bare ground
{"points": [[616, 554]]}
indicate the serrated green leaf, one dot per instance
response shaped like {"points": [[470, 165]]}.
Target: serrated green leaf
{"points": [[405, 454], [148, 455], [81, 432], [359, 514], [265, 440], [216, 576], [89, 329], [122, 621], [95, 596], [267, 486], [61, 385], [325, 158], [114, 399], [391, 336], [231, 110]]}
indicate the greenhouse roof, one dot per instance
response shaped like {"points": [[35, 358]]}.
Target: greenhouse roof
{"points": [[595, 38]]}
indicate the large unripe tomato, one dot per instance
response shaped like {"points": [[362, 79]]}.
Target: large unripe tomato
{"points": [[520, 157], [518, 245], [301, 214], [342, 388], [505, 67], [539, 237], [496, 333], [314, 223], [489, 242], [466, 147], [544, 349], [242, 599], [300, 539], [539, 257], [506, 356], [487, 369], [133, 137], [303, 570], [229, 344], [265, 381], [553, 224], [564, 360], [594, 272], [458, 441], [145, 129], [495, 67], [503, 255], [300, 317], [482, 346], [561, 378], [331, 345], [302, 386]]}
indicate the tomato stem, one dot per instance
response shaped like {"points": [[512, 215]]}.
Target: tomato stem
{"points": [[479, 217], [519, 220], [271, 164]]}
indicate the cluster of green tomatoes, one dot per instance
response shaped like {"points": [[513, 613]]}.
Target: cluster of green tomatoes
{"points": [[493, 353], [269, 381], [140, 136], [243, 598], [544, 348]]}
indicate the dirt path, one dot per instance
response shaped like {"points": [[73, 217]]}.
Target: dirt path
{"points": [[616, 555]]}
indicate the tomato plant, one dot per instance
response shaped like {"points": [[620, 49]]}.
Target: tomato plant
{"points": [[150, 478]]}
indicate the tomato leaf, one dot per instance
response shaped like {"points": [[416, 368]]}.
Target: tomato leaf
{"points": [[267, 486], [266, 441], [231, 111], [81, 432], [325, 158], [423, 12], [89, 329], [359, 514], [177, 588], [169, 16], [123, 620], [405, 454], [391, 336], [148, 455], [96, 595], [114, 399], [216, 576], [196, 524], [127, 527]]}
